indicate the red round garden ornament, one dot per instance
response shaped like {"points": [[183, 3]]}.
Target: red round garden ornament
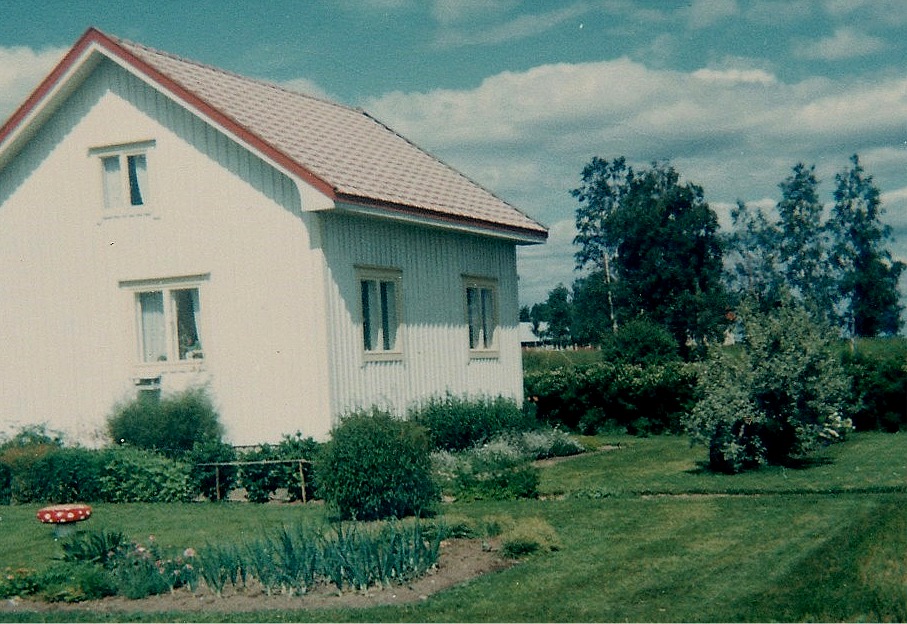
{"points": [[63, 515]]}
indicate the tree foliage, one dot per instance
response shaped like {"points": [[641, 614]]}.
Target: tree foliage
{"points": [[656, 239], [778, 397], [868, 275]]}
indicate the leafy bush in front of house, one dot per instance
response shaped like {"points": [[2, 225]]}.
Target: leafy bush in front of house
{"points": [[777, 398], [260, 480], [19, 454], [62, 475], [498, 470], [878, 368], [458, 423], [377, 466], [213, 482], [171, 425], [298, 447], [640, 399], [134, 475]]}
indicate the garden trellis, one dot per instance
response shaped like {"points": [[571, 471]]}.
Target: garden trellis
{"points": [[239, 463]]}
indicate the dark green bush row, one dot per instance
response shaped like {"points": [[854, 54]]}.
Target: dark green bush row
{"points": [[878, 369], [262, 480], [641, 399], [377, 466], [458, 423], [117, 475]]}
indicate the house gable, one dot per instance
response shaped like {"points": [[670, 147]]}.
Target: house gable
{"points": [[356, 162]]}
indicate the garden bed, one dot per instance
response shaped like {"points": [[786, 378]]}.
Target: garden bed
{"points": [[460, 561]]}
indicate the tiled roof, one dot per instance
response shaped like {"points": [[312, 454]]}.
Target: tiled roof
{"points": [[356, 158]]}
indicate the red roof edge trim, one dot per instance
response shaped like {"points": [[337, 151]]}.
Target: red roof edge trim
{"points": [[240, 131], [93, 36], [47, 85], [540, 234]]}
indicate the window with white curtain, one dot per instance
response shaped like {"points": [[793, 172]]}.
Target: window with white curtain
{"points": [[168, 319], [380, 296], [124, 174], [481, 315]]}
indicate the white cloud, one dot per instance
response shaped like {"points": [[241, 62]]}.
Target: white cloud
{"points": [[737, 131], [308, 87], [521, 27], [21, 69], [705, 13], [844, 43]]}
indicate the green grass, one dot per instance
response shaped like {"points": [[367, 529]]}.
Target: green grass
{"points": [[824, 542]]}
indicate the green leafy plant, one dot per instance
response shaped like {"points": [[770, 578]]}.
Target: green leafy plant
{"points": [[498, 470], [778, 397], [136, 476], [171, 425], [457, 423], [377, 466], [212, 482]]}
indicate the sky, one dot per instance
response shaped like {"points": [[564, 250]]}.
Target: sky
{"points": [[520, 96]]}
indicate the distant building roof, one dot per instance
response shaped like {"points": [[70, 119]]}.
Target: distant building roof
{"points": [[343, 152]]}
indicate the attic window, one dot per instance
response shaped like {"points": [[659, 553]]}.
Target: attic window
{"points": [[124, 170]]}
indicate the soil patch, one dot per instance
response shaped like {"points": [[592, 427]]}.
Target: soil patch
{"points": [[460, 560]]}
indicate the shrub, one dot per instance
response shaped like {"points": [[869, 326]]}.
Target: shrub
{"points": [[62, 475], [298, 447], [171, 425], [17, 456], [498, 470], [138, 476], [261, 480], [377, 466], [458, 423], [778, 397], [879, 392], [638, 399], [640, 342], [213, 482]]}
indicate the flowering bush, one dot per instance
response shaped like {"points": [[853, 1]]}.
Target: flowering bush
{"points": [[778, 397]]}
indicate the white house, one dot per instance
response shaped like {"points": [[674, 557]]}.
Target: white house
{"points": [[166, 224]]}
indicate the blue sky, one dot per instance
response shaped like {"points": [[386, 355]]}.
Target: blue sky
{"points": [[521, 95]]}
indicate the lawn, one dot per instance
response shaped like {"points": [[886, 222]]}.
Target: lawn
{"points": [[646, 535]]}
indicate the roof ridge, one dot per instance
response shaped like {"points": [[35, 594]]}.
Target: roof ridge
{"points": [[233, 74]]}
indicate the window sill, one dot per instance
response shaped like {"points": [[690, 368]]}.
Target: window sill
{"points": [[382, 356], [126, 214], [155, 369], [491, 354]]}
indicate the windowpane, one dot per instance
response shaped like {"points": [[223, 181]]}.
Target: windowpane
{"points": [[472, 312], [113, 190], [487, 317], [369, 305], [389, 315], [187, 335], [138, 174], [153, 326]]}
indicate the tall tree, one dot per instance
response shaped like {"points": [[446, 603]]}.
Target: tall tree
{"points": [[560, 316], [592, 322], [661, 239], [869, 276], [603, 188], [752, 252], [803, 246]]}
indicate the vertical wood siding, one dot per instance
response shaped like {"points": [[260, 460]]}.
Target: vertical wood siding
{"points": [[68, 328], [436, 356]]}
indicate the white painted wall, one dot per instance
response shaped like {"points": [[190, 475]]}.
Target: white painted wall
{"points": [[436, 357], [68, 328], [280, 317]]}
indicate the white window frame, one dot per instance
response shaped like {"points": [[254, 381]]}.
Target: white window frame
{"points": [[175, 358], [375, 320], [116, 194], [482, 316]]}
